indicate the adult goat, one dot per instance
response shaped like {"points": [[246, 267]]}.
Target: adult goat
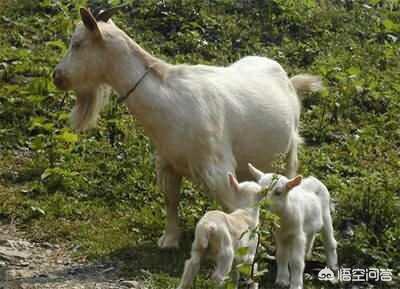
{"points": [[204, 121]]}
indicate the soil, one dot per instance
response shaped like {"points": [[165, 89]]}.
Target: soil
{"points": [[42, 265]]}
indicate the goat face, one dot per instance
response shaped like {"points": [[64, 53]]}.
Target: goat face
{"points": [[278, 187], [86, 59], [278, 193], [92, 52], [248, 194]]}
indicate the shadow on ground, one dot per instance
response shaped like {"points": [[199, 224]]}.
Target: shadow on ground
{"points": [[135, 260]]}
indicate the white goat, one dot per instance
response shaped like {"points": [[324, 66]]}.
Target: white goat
{"points": [[218, 235], [303, 207], [204, 121]]}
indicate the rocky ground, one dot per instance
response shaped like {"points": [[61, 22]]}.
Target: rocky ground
{"points": [[30, 265]]}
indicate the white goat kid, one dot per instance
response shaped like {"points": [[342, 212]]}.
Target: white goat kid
{"points": [[303, 207], [204, 121], [218, 235]]}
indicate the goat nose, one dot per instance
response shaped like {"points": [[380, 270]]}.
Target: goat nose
{"points": [[56, 74], [58, 78]]}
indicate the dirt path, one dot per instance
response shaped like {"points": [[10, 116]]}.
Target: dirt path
{"points": [[29, 265]]}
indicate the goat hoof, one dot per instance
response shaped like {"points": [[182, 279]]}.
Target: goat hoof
{"points": [[217, 278], [254, 286], [168, 241], [282, 283]]}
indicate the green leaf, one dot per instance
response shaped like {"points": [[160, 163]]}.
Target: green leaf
{"points": [[40, 123], [46, 174], [390, 25], [244, 269], [68, 137], [38, 210], [57, 44], [242, 251], [230, 285], [37, 143], [62, 116], [353, 70], [260, 273]]}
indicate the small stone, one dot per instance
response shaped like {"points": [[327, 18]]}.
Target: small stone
{"points": [[41, 275], [24, 244], [130, 284], [52, 276], [47, 245], [23, 263], [74, 271], [15, 274], [4, 242], [8, 254], [108, 270]]}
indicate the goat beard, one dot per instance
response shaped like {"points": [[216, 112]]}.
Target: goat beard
{"points": [[87, 108]]}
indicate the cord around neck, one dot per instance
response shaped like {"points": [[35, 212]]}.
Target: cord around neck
{"points": [[125, 97]]}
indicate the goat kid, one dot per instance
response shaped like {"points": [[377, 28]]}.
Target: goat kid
{"points": [[219, 235], [303, 207]]}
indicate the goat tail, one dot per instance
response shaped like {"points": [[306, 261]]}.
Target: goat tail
{"points": [[306, 83]]}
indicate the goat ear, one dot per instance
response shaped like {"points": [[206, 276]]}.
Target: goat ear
{"points": [[89, 21], [233, 182], [293, 182], [257, 174]]}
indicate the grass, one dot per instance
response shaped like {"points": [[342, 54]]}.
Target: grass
{"points": [[97, 190]]}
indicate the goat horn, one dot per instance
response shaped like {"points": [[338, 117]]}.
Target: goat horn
{"points": [[105, 15]]}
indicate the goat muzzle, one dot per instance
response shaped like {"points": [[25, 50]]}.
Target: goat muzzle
{"points": [[59, 80]]}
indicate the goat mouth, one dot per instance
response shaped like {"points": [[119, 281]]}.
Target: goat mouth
{"points": [[61, 84]]}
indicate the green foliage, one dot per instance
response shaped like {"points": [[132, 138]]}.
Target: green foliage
{"points": [[98, 189]]}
